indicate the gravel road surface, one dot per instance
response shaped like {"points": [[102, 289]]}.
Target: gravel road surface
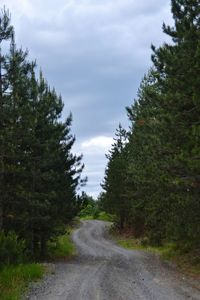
{"points": [[104, 271]]}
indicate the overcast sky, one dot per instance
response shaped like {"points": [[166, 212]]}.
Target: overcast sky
{"points": [[95, 53]]}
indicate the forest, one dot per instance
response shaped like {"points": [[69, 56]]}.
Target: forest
{"points": [[152, 179], [151, 184]]}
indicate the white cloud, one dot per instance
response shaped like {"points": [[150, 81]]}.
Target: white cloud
{"points": [[94, 150], [99, 143]]}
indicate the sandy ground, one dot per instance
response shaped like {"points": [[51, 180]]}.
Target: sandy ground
{"points": [[104, 271]]}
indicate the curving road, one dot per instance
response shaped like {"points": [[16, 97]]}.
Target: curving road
{"points": [[104, 271]]}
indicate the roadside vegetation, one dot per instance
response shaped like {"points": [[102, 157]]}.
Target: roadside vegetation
{"points": [[16, 270], [14, 280], [152, 179], [62, 248], [91, 209], [102, 216], [186, 261]]}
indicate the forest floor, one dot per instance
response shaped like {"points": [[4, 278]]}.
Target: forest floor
{"points": [[103, 270]]}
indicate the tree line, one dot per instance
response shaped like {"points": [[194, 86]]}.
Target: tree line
{"points": [[152, 179], [39, 174]]}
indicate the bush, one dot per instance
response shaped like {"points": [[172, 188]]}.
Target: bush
{"points": [[61, 247], [12, 249], [87, 211], [144, 241], [106, 217], [14, 279], [96, 214]]}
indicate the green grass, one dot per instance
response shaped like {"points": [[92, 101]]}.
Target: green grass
{"points": [[166, 251], [62, 247], [103, 216], [14, 279], [129, 243], [188, 262], [85, 218]]}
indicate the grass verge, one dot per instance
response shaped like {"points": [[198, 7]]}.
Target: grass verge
{"points": [[86, 218], [102, 216], [15, 279], [62, 248], [188, 262]]}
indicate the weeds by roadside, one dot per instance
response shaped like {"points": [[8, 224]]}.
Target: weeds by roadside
{"points": [[102, 216], [187, 261], [62, 247], [15, 279], [15, 271]]}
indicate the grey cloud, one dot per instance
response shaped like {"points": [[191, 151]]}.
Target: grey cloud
{"points": [[94, 53]]}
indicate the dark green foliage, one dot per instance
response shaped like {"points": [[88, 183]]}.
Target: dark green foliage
{"points": [[12, 249], [6, 33], [162, 177], [116, 201], [39, 174], [15, 279], [89, 207]]}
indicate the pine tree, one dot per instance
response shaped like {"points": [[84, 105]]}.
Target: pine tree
{"points": [[178, 66], [39, 173], [162, 176], [146, 165], [6, 31], [115, 200]]}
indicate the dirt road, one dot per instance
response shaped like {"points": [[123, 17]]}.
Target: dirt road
{"points": [[104, 271]]}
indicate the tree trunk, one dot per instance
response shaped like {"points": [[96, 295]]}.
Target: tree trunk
{"points": [[122, 220], [43, 247]]}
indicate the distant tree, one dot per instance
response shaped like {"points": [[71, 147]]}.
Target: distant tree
{"points": [[89, 206], [114, 184]]}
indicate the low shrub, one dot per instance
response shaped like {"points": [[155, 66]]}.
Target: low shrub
{"points": [[61, 247], [106, 217], [12, 249], [14, 279]]}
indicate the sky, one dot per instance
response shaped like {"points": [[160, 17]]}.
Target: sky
{"points": [[95, 53]]}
